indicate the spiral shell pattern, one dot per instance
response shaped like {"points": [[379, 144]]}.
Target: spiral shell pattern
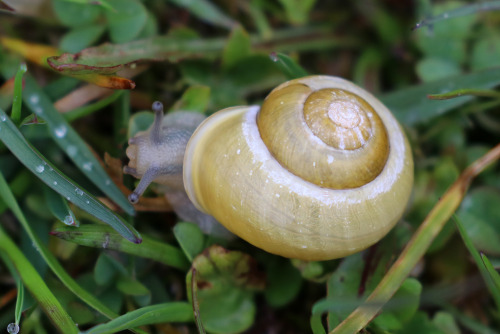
{"points": [[351, 184]]}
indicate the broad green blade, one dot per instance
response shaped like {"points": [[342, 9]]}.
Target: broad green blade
{"points": [[102, 236], [33, 282], [71, 143], [49, 174], [155, 314]]}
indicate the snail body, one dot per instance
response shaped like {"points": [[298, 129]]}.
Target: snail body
{"points": [[321, 171]]}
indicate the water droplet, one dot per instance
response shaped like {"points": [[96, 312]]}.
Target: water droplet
{"points": [[87, 166], [61, 131], [68, 220], [38, 110], [68, 198], [108, 182], [55, 183], [79, 191], [40, 168], [274, 56], [71, 150], [13, 328], [88, 202], [3, 118], [34, 99], [238, 151]]}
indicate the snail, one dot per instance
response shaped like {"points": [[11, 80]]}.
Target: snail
{"points": [[322, 170]]}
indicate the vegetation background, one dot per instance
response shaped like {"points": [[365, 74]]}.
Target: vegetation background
{"points": [[77, 78]]}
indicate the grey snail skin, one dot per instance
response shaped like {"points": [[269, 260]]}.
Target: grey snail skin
{"points": [[321, 171]]}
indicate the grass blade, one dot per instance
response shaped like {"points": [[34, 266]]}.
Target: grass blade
{"points": [[49, 258], [288, 66], [101, 236], [481, 263], [35, 162], [59, 207], [161, 313], [72, 144], [18, 87], [36, 285], [416, 247], [412, 106]]}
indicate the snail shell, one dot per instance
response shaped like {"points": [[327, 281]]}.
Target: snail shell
{"points": [[321, 171]]}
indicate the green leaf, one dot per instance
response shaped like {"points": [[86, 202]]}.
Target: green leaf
{"points": [[486, 53], [74, 14], [227, 279], [101, 236], [297, 11], [104, 270], [481, 219], [126, 20], [155, 314], [446, 323], [411, 105], [140, 121], [80, 38], [131, 287], [190, 238], [283, 281], [238, 47], [195, 98], [431, 68], [206, 11], [447, 39], [402, 307], [73, 145]]}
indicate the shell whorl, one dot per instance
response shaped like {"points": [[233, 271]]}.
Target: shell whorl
{"points": [[231, 173], [326, 135]]}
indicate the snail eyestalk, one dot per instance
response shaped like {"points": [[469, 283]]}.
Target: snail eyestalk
{"points": [[155, 135]]}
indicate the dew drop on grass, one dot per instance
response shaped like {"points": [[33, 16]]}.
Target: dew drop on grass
{"points": [[68, 220], [79, 191], [40, 168], [3, 118], [61, 131], [34, 99], [13, 328], [87, 166], [55, 183], [71, 150]]}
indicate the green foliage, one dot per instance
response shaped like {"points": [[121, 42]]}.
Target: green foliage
{"points": [[57, 123]]}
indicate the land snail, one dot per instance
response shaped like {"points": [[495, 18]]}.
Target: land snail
{"points": [[322, 170]]}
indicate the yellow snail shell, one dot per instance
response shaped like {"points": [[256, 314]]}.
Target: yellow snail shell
{"points": [[321, 171]]}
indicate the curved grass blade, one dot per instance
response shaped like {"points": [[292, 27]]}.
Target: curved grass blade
{"points": [[35, 162], [49, 258], [461, 11], [481, 262], [416, 247], [33, 282], [155, 314], [101, 236], [288, 66], [59, 207], [72, 144], [18, 86], [412, 106]]}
